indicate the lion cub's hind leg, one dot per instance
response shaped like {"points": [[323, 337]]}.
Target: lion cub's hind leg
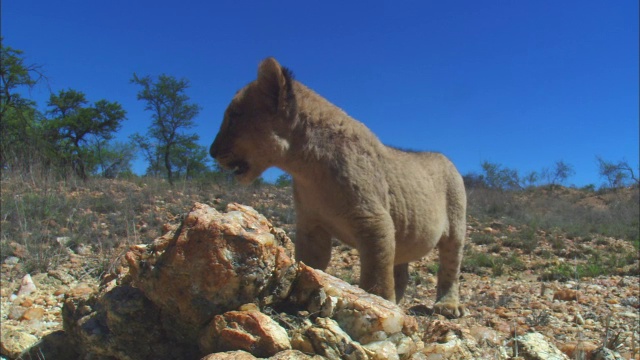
{"points": [[448, 297]]}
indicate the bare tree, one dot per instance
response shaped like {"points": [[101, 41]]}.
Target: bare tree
{"points": [[617, 174], [500, 178]]}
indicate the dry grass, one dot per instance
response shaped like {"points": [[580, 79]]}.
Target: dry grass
{"points": [[42, 217], [39, 213], [576, 213]]}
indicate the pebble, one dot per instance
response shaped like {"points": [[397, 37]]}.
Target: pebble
{"points": [[26, 286], [484, 334], [565, 295], [15, 312], [630, 315], [60, 291], [51, 301], [81, 290], [83, 250], [33, 314], [63, 240], [11, 260], [61, 275], [582, 347], [578, 319]]}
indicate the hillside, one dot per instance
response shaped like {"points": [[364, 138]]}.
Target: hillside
{"points": [[558, 260]]}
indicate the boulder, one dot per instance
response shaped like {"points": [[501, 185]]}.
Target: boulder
{"points": [[358, 312], [222, 283], [212, 263]]}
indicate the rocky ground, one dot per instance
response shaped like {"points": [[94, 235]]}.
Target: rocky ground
{"points": [[586, 310], [507, 289]]}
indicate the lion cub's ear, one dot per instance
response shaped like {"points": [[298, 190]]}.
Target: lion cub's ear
{"points": [[272, 81]]}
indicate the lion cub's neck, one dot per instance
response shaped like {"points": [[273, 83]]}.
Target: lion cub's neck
{"points": [[323, 134]]}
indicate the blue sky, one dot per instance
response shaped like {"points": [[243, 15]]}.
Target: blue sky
{"points": [[520, 83]]}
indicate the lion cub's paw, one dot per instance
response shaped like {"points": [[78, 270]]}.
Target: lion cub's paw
{"points": [[451, 310]]}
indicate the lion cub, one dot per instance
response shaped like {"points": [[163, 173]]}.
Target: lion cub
{"points": [[392, 206]]}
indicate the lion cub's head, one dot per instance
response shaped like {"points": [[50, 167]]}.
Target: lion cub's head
{"points": [[254, 134]]}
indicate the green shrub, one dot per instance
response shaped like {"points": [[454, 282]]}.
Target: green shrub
{"points": [[482, 239], [562, 272], [433, 268], [474, 261], [512, 242], [598, 264], [558, 243], [498, 268], [515, 263]]}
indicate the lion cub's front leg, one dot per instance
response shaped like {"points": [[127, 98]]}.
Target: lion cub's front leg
{"points": [[313, 246], [376, 245]]}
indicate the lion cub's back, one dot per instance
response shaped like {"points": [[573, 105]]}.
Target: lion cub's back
{"points": [[424, 186], [423, 166]]}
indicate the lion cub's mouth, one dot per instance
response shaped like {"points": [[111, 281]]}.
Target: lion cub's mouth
{"points": [[238, 167]]}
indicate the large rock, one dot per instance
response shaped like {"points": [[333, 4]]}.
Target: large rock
{"points": [[54, 345], [123, 324], [13, 342], [221, 282], [358, 312], [210, 264], [214, 262]]}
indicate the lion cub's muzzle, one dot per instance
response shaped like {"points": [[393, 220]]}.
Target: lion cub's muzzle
{"points": [[213, 150], [239, 167], [228, 161]]}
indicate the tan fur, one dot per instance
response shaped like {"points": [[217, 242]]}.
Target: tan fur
{"points": [[391, 205]]}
